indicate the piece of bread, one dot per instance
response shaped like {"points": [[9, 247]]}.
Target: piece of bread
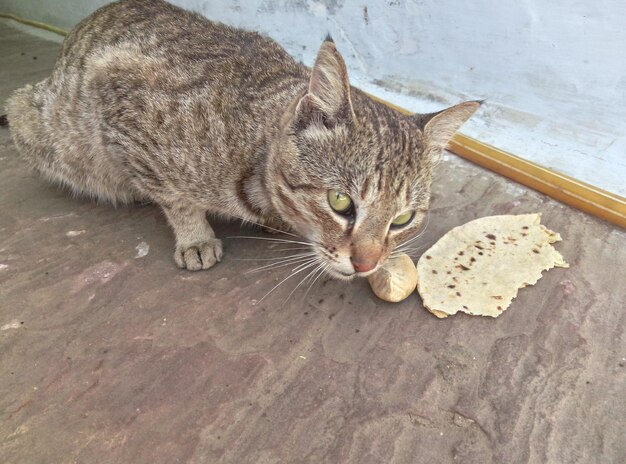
{"points": [[477, 268], [395, 280]]}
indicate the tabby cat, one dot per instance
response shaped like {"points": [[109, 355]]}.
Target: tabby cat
{"points": [[149, 102]]}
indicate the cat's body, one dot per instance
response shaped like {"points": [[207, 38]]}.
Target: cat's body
{"points": [[148, 102]]}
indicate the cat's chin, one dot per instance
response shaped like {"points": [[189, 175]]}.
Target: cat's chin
{"points": [[336, 274]]}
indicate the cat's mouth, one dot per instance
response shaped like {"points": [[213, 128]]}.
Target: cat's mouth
{"points": [[343, 275]]}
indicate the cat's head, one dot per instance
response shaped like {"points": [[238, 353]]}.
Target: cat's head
{"points": [[352, 175]]}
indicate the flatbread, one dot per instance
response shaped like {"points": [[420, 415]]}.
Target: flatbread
{"points": [[477, 268]]}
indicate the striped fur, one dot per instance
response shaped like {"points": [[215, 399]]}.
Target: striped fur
{"points": [[151, 102]]}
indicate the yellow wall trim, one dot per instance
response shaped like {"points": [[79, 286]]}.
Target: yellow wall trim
{"points": [[30, 22]]}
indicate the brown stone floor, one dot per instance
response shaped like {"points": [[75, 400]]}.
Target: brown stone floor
{"points": [[106, 357]]}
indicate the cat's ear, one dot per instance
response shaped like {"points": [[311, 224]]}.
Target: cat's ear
{"points": [[327, 102], [438, 128]]}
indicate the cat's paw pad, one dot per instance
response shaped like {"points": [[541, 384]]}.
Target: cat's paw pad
{"points": [[199, 255]]}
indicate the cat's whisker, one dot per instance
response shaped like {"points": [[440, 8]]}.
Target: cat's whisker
{"points": [[323, 265], [414, 247], [298, 263], [304, 279], [274, 266], [265, 226], [412, 252], [320, 274], [295, 271], [286, 262], [411, 240], [410, 248], [319, 268], [291, 249], [273, 259], [407, 242], [305, 265], [277, 240]]}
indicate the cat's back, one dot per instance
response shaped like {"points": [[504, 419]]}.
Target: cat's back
{"points": [[158, 28]]}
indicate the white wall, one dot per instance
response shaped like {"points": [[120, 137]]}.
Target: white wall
{"points": [[553, 72]]}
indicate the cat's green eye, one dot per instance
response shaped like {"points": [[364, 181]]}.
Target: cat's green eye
{"points": [[403, 219], [339, 201]]}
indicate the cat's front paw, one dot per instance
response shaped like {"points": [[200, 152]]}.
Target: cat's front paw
{"points": [[199, 255]]}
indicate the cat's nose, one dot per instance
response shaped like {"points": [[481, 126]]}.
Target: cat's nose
{"points": [[364, 266], [365, 255]]}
